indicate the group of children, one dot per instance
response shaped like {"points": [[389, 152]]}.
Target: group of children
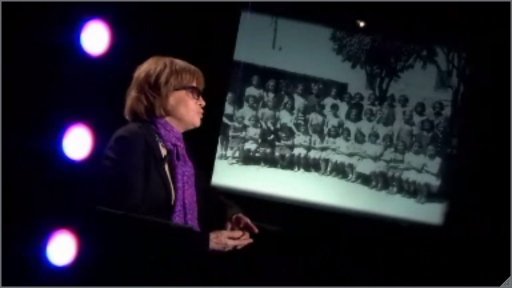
{"points": [[382, 146]]}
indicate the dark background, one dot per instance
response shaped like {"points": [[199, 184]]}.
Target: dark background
{"points": [[48, 82]]}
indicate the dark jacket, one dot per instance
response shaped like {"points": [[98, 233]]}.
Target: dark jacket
{"points": [[135, 200]]}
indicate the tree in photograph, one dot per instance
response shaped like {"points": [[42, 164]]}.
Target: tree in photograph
{"points": [[383, 60]]}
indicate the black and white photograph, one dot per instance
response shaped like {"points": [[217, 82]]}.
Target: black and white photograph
{"points": [[339, 119]]}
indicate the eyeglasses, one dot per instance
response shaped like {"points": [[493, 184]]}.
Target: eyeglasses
{"points": [[193, 90]]}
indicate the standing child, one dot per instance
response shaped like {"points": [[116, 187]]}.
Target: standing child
{"points": [[368, 125], [252, 141], [254, 90], [333, 120], [355, 153], [302, 144], [371, 153], [329, 151], [394, 166], [236, 138], [431, 178], [227, 122], [269, 135], [414, 162], [405, 130], [284, 147], [338, 166], [317, 148]]}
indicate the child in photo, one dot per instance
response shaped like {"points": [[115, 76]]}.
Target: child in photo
{"points": [[269, 93], [395, 167], [329, 151], [316, 121], [315, 152], [302, 143], [249, 110], [333, 119], [420, 110], [250, 151], [347, 100], [341, 163], [352, 121], [403, 105], [331, 99], [386, 120], [227, 121], [414, 162], [299, 98], [254, 90], [286, 115], [430, 177], [405, 131], [269, 135], [368, 125], [284, 147], [371, 153], [356, 153], [236, 138], [426, 136]]}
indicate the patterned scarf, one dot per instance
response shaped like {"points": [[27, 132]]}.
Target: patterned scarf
{"points": [[185, 210]]}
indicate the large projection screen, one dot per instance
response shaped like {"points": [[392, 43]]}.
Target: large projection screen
{"points": [[338, 119]]}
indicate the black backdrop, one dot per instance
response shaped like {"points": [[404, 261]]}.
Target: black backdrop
{"points": [[48, 82]]}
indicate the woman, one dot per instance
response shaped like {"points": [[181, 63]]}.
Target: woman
{"points": [[148, 172]]}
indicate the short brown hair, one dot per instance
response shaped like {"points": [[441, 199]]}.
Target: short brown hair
{"points": [[153, 81]]}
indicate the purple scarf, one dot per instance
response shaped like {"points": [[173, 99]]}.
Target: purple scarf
{"points": [[185, 210]]}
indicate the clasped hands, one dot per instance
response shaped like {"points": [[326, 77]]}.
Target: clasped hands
{"points": [[237, 234]]}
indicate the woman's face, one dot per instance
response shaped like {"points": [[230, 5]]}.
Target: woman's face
{"points": [[184, 107]]}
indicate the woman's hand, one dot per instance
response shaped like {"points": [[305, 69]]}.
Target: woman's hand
{"points": [[241, 222], [223, 240]]}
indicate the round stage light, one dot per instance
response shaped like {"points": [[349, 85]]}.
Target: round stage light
{"points": [[62, 247], [78, 142], [95, 37]]}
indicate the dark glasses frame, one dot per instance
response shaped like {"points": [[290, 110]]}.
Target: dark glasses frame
{"points": [[195, 91]]}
